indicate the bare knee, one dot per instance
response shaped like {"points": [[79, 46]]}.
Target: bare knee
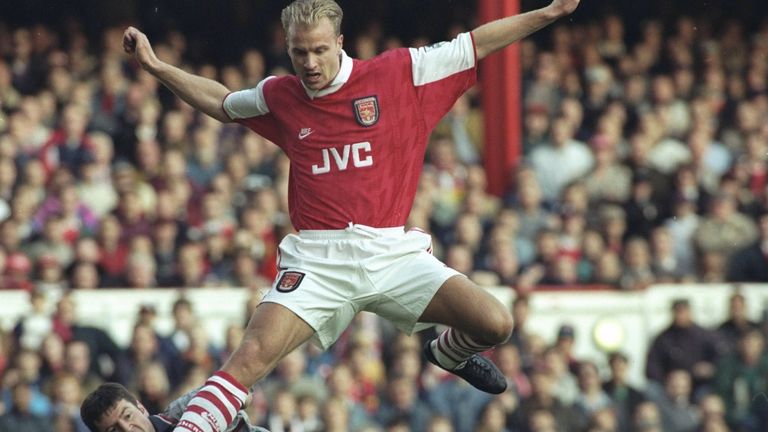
{"points": [[499, 326]]}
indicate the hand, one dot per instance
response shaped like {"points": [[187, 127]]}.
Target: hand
{"points": [[564, 7], [137, 44]]}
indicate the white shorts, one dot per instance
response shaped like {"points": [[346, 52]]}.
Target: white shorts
{"points": [[327, 276]]}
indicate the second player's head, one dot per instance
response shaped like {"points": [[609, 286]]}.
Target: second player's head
{"points": [[313, 33], [112, 408]]}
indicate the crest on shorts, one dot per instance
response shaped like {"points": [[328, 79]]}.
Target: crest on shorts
{"points": [[289, 281], [366, 110]]}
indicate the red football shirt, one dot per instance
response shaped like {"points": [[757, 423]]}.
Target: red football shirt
{"points": [[357, 147]]}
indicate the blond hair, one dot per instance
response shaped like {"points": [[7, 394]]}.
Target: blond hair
{"points": [[308, 13]]}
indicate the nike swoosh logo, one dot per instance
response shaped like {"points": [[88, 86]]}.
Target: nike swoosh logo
{"points": [[305, 133]]}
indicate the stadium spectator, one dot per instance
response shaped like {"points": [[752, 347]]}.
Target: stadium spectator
{"points": [[69, 146], [343, 389], [66, 395], [183, 315], [674, 402], [53, 242], [450, 177], [9, 94], [521, 334], [666, 264], [309, 414], [440, 424], [612, 220], [638, 270], [556, 365], [291, 375], [127, 179], [335, 415], [608, 269], [647, 418], [50, 276], [592, 399], [30, 330], [737, 323], [26, 368], [609, 180], [624, 397], [536, 124], [562, 160], [402, 402], [8, 178], [200, 354], [19, 417], [153, 388], [77, 362], [113, 253], [140, 271], [724, 230], [3, 269], [133, 219], [103, 349], [96, 194], [750, 264], [456, 400], [712, 414], [492, 419], [463, 124], [52, 355], [738, 380], [143, 349], [509, 361], [283, 413], [564, 344], [683, 345], [544, 401], [642, 212], [84, 276]]}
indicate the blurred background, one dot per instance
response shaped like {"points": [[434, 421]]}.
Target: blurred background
{"points": [[631, 242]]}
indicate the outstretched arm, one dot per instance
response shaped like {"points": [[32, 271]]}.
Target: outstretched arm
{"points": [[202, 93], [496, 35]]}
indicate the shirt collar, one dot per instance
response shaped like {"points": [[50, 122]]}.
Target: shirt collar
{"points": [[345, 70]]}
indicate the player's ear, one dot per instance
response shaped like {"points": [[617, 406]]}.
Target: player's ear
{"points": [[340, 41], [142, 409]]}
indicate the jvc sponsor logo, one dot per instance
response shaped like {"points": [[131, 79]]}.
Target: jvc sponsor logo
{"points": [[359, 152]]}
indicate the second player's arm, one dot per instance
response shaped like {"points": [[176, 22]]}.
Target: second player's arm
{"points": [[498, 34]]}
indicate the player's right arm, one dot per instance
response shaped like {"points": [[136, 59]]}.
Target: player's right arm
{"points": [[202, 93]]}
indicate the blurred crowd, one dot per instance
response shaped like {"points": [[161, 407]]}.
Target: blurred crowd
{"points": [[375, 379], [644, 161]]}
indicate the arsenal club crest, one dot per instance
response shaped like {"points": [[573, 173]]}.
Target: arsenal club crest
{"points": [[366, 110], [289, 281]]}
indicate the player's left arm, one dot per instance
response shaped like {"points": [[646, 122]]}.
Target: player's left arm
{"points": [[496, 35], [240, 423], [176, 408]]}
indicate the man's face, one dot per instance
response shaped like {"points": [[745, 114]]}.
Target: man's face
{"points": [[681, 316], [314, 52], [125, 417]]}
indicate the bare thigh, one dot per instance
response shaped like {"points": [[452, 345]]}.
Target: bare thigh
{"points": [[461, 304], [273, 331]]}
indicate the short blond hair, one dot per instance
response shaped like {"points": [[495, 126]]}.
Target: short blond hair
{"points": [[308, 13]]}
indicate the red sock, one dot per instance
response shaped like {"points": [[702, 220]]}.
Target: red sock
{"points": [[214, 406], [453, 347]]}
